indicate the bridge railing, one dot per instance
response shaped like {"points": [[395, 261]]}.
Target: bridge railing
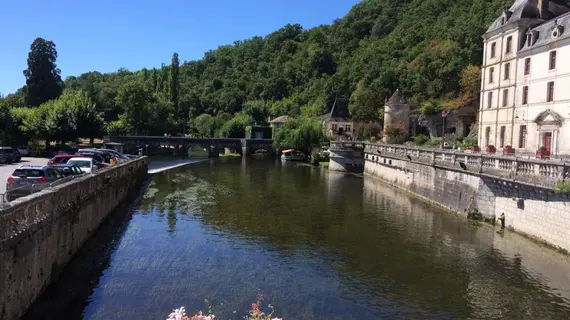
{"points": [[544, 173]]}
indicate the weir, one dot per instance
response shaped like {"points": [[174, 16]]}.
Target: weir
{"points": [[40, 233]]}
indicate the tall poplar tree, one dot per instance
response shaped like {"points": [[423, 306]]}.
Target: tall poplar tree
{"points": [[43, 79]]}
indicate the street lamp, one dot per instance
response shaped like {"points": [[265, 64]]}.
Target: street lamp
{"points": [[444, 114]]}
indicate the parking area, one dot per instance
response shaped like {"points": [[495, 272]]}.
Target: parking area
{"points": [[7, 169]]}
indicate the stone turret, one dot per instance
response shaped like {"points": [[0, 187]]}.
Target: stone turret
{"points": [[397, 111]]}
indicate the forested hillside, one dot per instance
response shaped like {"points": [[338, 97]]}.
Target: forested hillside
{"points": [[423, 47]]}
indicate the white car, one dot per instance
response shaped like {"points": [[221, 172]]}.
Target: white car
{"points": [[87, 165], [24, 151]]}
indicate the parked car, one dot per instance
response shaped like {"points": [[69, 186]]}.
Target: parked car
{"points": [[86, 164], [106, 156], [7, 155], [17, 155], [61, 158], [68, 169], [24, 150], [29, 179], [116, 153]]}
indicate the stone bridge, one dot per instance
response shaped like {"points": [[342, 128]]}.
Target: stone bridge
{"points": [[181, 145]]}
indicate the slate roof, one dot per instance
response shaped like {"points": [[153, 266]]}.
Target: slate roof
{"points": [[528, 9], [339, 112], [544, 31], [397, 98], [281, 119]]}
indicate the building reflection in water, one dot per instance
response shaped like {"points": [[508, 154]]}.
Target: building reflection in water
{"points": [[509, 274]]}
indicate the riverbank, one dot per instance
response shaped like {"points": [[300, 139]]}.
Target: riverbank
{"points": [[531, 210], [40, 233]]}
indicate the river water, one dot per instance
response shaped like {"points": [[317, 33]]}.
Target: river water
{"points": [[317, 244]]}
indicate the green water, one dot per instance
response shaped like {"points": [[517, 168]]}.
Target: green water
{"points": [[318, 245]]}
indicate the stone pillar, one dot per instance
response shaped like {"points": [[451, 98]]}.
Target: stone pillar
{"points": [[213, 151]]}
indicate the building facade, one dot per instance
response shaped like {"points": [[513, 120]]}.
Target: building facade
{"points": [[525, 83], [397, 113], [338, 124]]}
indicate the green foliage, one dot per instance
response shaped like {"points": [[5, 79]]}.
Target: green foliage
{"points": [[301, 134], [43, 81], [433, 142], [235, 128], [419, 140], [431, 107], [562, 187], [430, 49]]}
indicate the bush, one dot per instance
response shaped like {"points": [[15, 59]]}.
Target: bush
{"points": [[562, 187], [319, 157], [433, 142], [419, 140]]}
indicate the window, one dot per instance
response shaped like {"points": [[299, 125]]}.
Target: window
{"points": [[491, 75], [526, 66], [525, 95], [493, 49], [550, 91], [552, 64], [334, 127], [509, 45], [347, 128], [529, 39], [502, 137], [522, 137], [487, 135], [490, 99], [505, 97], [502, 20], [507, 71]]}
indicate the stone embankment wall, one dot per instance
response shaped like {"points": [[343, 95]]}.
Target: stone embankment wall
{"points": [[40, 233], [533, 209]]}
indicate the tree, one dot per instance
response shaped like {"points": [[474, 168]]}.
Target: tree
{"points": [[135, 99], [43, 80], [174, 80], [301, 134]]}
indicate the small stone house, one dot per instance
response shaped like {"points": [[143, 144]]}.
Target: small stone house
{"points": [[338, 124]]}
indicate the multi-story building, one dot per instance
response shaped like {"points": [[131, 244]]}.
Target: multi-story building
{"points": [[525, 85]]}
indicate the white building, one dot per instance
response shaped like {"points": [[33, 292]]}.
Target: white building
{"points": [[525, 96]]}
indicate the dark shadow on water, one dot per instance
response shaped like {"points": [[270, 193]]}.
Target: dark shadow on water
{"points": [[67, 297]]}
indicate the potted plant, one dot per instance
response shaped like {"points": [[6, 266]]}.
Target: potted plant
{"points": [[542, 153], [508, 150], [475, 148], [490, 149]]}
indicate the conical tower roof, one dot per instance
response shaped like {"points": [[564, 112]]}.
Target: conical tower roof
{"points": [[397, 98]]}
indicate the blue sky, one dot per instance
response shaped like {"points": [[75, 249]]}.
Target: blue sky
{"points": [[105, 35]]}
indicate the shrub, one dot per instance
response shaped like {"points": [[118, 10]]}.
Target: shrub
{"points": [[562, 187], [419, 140], [433, 142]]}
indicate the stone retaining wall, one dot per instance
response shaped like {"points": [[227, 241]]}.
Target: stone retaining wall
{"points": [[40, 233], [532, 210]]}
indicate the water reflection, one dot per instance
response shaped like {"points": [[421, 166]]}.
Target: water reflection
{"points": [[320, 245]]}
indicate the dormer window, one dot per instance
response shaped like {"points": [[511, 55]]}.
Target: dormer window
{"points": [[557, 30], [531, 37], [503, 20], [505, 17]]}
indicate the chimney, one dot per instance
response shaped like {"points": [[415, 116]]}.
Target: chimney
{"points": [[543, 9]]}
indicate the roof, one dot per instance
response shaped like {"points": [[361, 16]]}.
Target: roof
{"points": [[339, 111], [80, 159], [281, 119], [529, 10], [397, 98], [545, 32]]}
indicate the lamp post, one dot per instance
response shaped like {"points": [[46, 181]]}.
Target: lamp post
{"points": [[444, 114]]}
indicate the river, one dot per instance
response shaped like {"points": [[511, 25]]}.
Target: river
{"points": [[317, 244]]}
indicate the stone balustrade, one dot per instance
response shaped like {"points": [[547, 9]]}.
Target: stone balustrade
{"points": [[543, 173]]}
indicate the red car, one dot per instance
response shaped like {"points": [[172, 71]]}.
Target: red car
{"points": [[61, 158]]}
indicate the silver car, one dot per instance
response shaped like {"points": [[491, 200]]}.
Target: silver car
{"points": [[29, 179]]}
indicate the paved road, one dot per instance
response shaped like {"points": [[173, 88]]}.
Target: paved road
{"points": [[7, 169]]}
